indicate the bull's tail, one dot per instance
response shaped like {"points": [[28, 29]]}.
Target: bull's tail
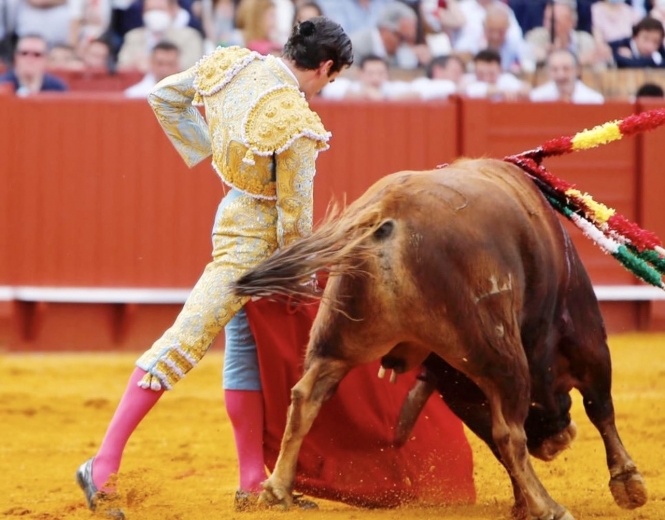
{"points": [[338, 246], [639, 250]]}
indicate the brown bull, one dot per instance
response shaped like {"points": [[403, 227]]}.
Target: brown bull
{"points": [[468, 270]]}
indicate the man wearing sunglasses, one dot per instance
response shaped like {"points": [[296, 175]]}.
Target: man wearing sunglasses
{"points": [[28, 76]]}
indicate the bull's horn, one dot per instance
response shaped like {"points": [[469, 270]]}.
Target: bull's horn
{"points": [[382, 372], [393, 377]]}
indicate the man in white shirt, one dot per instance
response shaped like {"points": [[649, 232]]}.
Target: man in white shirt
{"points": [[373, 84], [488, 81], [564, 84], [164, 61], [353, 15], [443, 75], [393, 38], [466, 39]]}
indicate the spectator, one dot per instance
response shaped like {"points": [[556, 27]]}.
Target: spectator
{"points": [[583, 10], [488, 80], [558, 32], [642, 7], [285, 12], [443, 77], [393, 38], [159, 24], [474, 11], [514, 53], [128, 15], [257, 27], [89, 20], [565, 85], [430, 40], [658, 10], [164, 61], [644, 49], [528, 13], [443, 16], [373, 84], [29, 75], [353, 15], [218, 22], [305, 11], [7, 29], [48, 18], [611, 20], [652, 90], [96, 56], [63, 57]]}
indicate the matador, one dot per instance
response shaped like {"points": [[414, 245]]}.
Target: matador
{"points": [[264, 140]]}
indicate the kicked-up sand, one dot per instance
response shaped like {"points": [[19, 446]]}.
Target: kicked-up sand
{"points": [[180, 463]]}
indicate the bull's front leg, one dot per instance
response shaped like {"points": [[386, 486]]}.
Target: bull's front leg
{"points": [[317, 384]]}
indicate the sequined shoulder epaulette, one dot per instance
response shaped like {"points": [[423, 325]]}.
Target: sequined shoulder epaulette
{"points": [[277, 119], [214, 71]]}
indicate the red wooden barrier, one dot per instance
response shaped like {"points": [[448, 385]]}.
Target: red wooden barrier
{"points": [[99, 197], [373, 140], [98, 80], [95, 196]]}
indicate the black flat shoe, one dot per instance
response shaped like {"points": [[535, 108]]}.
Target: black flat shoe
{"points": [[92, 495], [245, 501]]}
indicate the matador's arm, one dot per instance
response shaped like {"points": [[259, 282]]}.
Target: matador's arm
{"points": [[171, 100], [295, 181]]}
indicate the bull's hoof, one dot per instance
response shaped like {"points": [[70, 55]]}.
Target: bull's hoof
{"points": [[629, 490], [552, 446], [275, 496], [519, 512], [564, 515], [560, 513]]}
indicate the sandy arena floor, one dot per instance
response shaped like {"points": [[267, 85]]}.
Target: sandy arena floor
{"points": [[180, 464]]}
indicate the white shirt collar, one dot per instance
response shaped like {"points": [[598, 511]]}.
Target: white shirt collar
{"points": [[288, 70]]}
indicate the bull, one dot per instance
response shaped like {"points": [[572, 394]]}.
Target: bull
{"points": [[468, 272]]}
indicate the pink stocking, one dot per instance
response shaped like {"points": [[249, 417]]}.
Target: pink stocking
{"points": [[245, 409], [136, 402]]}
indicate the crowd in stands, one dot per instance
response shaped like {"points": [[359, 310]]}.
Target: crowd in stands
{"points": [[538, 50]]}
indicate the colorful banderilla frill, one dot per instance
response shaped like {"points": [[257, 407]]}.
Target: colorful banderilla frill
{"points": [[640, 251]]}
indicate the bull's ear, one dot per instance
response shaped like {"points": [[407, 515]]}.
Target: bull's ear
{"points": [[384, 230]]}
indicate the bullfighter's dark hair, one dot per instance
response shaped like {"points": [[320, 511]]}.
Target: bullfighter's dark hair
{"points": [[317, 40]]}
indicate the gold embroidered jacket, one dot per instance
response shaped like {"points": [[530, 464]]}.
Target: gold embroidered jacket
{"points": [[261, 133]]}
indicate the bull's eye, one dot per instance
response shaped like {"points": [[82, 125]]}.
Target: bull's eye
{"points": [[384, 230]]}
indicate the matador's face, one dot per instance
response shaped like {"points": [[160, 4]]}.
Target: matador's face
{"points": [[318, 79]]}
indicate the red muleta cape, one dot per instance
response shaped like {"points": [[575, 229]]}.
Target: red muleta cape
{"points": [[348, 454]]}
